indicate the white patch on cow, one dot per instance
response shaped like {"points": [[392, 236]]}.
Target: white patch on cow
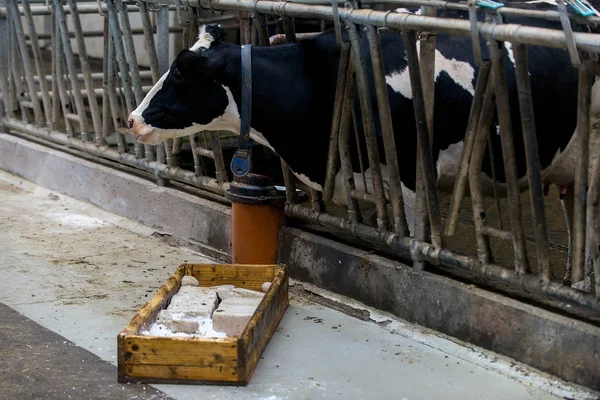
{"points": [[461, 72], [509, 50], [497, 129], [204, 41], [407, 11], [551, 2]]}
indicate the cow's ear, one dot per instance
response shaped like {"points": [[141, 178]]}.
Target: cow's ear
{"points": [[191, 65], [217, 32]]}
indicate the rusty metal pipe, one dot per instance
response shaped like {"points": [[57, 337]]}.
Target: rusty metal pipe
{"points": [[460, 184], [508, 154], [534, 173]]}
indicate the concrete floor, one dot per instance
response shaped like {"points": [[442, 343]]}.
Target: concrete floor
{"points": [[81, 273]]}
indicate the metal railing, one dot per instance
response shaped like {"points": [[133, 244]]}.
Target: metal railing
{"points": [[84, 101]]}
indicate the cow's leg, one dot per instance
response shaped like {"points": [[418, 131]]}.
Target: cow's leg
{"points": [[566, 202]]}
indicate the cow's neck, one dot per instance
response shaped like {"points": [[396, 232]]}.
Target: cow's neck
{"points": [[291, 104]]}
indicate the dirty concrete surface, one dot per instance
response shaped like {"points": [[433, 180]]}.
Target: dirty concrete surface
{"points": [[81, 273]]}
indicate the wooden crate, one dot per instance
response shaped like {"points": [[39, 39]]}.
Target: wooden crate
{"points": [[223, 361]]}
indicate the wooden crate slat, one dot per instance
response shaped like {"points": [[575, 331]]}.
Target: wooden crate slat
{"points": [[183, 372], [165, 350], [246, 276], [263, 324]]}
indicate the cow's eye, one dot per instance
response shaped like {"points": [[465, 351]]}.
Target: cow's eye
{"points": [[176, 73]]}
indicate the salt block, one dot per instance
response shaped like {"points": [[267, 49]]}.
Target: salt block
{"points": [[241, 292], [189, 281], [265, 286], [233, 314], [224, 291], [194, 301], [165, 317]]}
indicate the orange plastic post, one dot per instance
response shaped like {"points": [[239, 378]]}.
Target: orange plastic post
{"points": [[254, 233], [256, 218]]}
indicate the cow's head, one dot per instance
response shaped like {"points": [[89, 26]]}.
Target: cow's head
{"points": [[190, 97]]}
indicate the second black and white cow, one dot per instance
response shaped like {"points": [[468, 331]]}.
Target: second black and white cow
{"points": [[293, 95]]}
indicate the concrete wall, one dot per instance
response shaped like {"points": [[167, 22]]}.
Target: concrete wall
{"points": [[553, 343]]}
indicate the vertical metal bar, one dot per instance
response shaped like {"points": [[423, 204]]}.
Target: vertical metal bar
{"points": [[427, 69], [16, 74], [199, 166], [483, 123], [344, 147], [461, 180], [387, 131], [113, 100], [289, 28], [581, 172], [593, 226], [508, 154], [424, 150], [4, 68], [336, 22], [131, 57], [87, 72], [126, 88], [245, 26], [215, 144], [149, 36], [105, 101], [59, 76], [333, 156], [20, 36], [290, 183], [368, 126], [68, 51], [37, 58], [262, 28], [534, 173], [56, 100], [162, 49]]}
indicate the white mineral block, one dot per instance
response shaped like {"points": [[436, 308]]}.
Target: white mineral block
{"points": [[189, 281], [233, 314], [194, 301], [265, 286], [166, 318], [241, 292], [224, 291]]}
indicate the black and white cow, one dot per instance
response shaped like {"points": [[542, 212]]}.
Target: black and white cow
{"points": [[293, 95]]}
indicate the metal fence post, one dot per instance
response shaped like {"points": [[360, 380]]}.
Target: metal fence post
{"points": [[3, 67]]}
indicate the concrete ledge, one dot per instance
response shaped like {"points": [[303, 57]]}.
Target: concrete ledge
{"points": [[564, 347]]}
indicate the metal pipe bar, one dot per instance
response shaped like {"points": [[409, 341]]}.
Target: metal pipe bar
{"points": [[528, 286], [131, 57], [105, 102], [497, 233], [289, 179], [199, 166], [424, 143], [16, 72], [70, 58], [98, 92], [491, 153], [508, 155], [87, 71], [56, 103], [99, 33], [62, 98], [96, 76], [333, 155], [534, 173], [39, 66], [204, 152], [83, 9], [346, 169], [106, 152], [400, 225], [484, 121], [150, 46], [368, 126], [593, 226], [460, 183], [586, 80], [19, 33], [402, 21], [113, 102], [217, 150]]}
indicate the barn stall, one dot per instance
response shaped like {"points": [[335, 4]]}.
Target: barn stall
{"points": [[72, 71]]}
